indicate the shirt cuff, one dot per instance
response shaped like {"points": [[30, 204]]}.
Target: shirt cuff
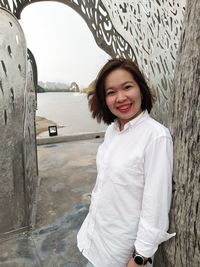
{"points": [[148, 239]]}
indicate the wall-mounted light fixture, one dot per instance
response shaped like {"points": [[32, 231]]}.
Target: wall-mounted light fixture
{"points": [[52, 130]]}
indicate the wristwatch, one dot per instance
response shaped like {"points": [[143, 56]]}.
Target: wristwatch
{"points": [[139, 259]]}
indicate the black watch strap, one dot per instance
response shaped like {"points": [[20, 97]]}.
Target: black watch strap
{"points": [[148, 260]]}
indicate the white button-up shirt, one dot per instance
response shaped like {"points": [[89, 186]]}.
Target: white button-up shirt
{"points": [[131, 198]]}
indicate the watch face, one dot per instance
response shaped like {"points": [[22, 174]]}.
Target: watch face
{"points": [[139, 260]]}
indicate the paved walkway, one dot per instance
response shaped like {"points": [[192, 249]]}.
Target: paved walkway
{"points": [[67, 173]]}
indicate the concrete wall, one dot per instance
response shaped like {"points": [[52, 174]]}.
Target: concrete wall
{"points": [[18, 171]]}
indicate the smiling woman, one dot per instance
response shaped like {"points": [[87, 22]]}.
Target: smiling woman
{"points": [[115, 75], [123, 96], [128, 216], [61, 43]]}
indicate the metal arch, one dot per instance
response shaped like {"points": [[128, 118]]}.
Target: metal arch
{"points": [[98, 21], [5, 4], [147, 31]]}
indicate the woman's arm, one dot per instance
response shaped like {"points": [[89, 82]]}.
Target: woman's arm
{"points": [[153, 224]]}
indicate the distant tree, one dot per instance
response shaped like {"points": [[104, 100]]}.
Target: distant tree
{"points": [[40, 89]]}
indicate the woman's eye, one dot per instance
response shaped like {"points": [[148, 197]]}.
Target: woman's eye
{"points": [[109, 92], [127, 87]]}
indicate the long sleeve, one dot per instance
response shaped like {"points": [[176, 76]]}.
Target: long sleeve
{"points": [[153, 224]]}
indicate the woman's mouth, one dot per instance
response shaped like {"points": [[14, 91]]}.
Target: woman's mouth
{"points": [[124, 108]]}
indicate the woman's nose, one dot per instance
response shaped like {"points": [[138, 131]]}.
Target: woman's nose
{"points": [[121, 96]]}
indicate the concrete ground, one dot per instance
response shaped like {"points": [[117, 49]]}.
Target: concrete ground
{"points": [[67, 173]]}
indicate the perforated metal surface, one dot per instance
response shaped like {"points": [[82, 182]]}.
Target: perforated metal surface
{"points": [[143, 30], [12, 85], [17, 151], [153, 29]]}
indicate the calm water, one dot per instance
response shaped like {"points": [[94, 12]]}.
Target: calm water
{"points": [[69, 110]]}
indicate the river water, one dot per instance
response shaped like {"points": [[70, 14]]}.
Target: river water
{"points": [[69, 110]]}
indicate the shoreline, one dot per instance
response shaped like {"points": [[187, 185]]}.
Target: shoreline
{"points": [[42, 124]]}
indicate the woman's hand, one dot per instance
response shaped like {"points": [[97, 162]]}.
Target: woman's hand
{"points": [[131, 263]]}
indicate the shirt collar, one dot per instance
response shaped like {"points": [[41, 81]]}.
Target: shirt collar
{"points": [[142, 116]]}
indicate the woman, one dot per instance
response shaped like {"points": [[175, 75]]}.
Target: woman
{"points": [[128, 215]]}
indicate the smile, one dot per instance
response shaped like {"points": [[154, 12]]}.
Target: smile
{"points": [[124, 108]]}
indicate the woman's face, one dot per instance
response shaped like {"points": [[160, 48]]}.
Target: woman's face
{"points": [[123, 96]]}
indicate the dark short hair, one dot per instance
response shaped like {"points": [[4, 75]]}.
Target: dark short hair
{"points": [[97, 97]]}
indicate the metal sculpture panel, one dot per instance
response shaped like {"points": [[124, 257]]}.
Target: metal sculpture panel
{"points": [[29, 142], [98, 21], [153, 29], [145, 31], [17, 164]]}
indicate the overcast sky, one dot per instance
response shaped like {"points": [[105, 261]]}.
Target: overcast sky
{"points": [[63, 46]]}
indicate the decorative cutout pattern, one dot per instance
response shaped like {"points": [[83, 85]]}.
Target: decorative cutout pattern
{"points": [[149, 34], [5, 4], [98, 21], [153, 29], [145, 31]]}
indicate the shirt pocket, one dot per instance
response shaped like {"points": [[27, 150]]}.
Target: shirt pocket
{"points": [[127, 176]]}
